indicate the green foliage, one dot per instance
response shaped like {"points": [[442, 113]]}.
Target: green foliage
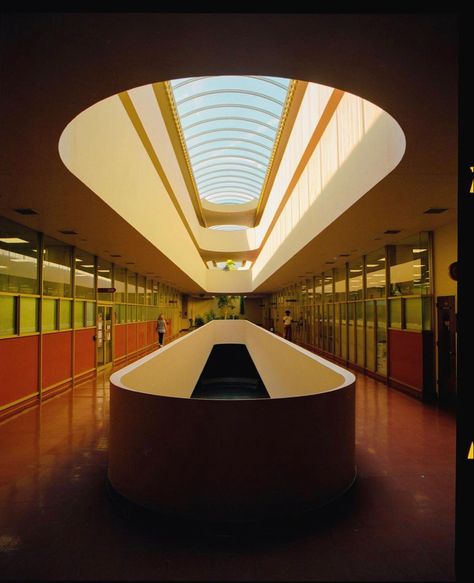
{"points": [[211, 315], [198, 321]]}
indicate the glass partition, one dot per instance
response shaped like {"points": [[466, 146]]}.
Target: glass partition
{"points": [[85, 270], [376, 284], [57, 268], [18, 258]]}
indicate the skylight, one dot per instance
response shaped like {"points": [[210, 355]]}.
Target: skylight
{"points": [[229, 125]]}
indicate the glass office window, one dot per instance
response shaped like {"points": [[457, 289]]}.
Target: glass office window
{"points": [[156, 293], [120, 277], [329, 328], [28, 315], [49, 314], [79, 310], [351, 330], [396, 313], [409, 266], [131, 313], [381, 336], [85, 269], [375, 274], [343, 312], [57, 268], [90, 314], [65, 312], [18, 258], [413, 314], [356, 287], [370, 335], [149, 292], [7, 315], [318, 289], [131, 287], [319, 325], [120, 314], [141, 289], [360, 333], [337, 329], [427, 312], [328, 288], [104, 280], [340, 285]]}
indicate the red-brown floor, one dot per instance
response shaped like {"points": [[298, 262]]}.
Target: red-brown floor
{"points": [[59, 521]]}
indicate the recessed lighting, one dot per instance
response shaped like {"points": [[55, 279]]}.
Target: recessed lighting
{"points": [[12, 240], [344, 255], [392, 231], [87, 266], [68, 232], [355, 270], [25, 211], [372, 265], [434, 211], [419, 250], [77, 259], [115, 255], [103, 271]]}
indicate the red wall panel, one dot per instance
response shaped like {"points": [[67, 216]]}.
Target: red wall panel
{"points": [[141, 335], [56, 358], [19, 368], [406, 357], [84, 350], [132, 338], [152, 334], [120, 341]]}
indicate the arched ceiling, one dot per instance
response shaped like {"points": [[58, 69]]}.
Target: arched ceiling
{"points": [[230, 125], [55, 65]]}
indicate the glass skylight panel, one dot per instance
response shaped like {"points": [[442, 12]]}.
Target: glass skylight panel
{"points": [[229, 125]]}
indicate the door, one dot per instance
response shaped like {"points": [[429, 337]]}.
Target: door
{"points": [[104, 335], [446, 317]]}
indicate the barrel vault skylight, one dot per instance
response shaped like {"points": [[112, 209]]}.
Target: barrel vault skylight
{"points": [[229, 126]]}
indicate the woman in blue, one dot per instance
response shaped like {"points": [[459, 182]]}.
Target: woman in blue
{"points": [[161, 329]]}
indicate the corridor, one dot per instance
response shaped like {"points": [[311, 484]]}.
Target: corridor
{"points": [[59, 521]]}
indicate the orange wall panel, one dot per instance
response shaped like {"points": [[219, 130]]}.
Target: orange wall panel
{"points": [[141, 335], [406, 357], [56, 358], [19, 368], [152, 334], [84, 350], [132, 338], [120, 348]]}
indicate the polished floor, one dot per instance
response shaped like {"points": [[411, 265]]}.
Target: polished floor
{"points": [[59, 521]]}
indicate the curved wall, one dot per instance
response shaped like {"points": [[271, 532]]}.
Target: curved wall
{"points": [[232, 460]]}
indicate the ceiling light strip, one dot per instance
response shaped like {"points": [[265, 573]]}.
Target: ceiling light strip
{"points": [[141, 132]]}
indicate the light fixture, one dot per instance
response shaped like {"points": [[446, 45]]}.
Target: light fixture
{"points": [[419, 250], [26, 211], [12, 240]]}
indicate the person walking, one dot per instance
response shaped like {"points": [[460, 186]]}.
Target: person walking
{"points": [[287, 319], [161, 329]]}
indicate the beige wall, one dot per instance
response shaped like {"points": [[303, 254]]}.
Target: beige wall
{"points": [[253, 311], [285, 368]]}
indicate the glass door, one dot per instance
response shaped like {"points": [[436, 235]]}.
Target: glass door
{"points": [[104, 335]]}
